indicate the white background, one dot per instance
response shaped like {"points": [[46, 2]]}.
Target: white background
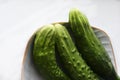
{"points": [[19, 19]]}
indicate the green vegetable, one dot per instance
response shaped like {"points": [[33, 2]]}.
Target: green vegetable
{"points": [[73, 64], [90, 47], [44, 54]]}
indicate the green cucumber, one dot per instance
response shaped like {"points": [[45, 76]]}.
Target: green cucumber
{"points": [[90, 47], [44, 54], [72, 62]]}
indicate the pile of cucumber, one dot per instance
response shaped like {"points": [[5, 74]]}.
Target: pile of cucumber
{"points": [[71, 51]]}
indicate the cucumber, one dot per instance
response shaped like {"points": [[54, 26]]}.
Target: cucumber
{"points": [[90, 47], [44, 54], [72, 62]]}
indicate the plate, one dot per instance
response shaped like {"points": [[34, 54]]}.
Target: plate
{"points": [[29, 71]]}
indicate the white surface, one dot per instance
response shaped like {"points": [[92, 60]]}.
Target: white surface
{"points": [[20, 18]]}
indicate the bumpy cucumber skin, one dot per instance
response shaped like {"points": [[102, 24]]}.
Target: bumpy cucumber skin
{"points": [[90, 47], [72, 62], [44, 54]]}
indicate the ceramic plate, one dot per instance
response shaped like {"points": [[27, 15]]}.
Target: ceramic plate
{"points": [[30, 73]]}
